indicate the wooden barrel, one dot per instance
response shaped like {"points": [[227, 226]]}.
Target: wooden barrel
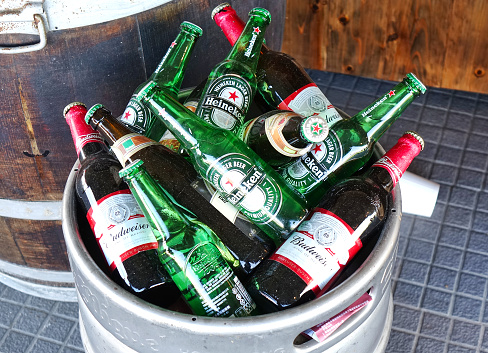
{"points": [[96, 63]]}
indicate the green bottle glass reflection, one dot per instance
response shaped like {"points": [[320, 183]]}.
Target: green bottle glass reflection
{"points": [[350, 143], [226, 162], [232, 84], [169, 76], [190, 251]]}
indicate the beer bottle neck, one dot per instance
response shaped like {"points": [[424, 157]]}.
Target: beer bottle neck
{"points": [[388, 170], [377, 117], [164, 218], [247, 48], [232, 25], [108, 126], [87, 141], [171, 70]]}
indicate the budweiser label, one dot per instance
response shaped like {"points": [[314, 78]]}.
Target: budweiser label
{"points": [[120, 227], [309, 100], [319, 249]]}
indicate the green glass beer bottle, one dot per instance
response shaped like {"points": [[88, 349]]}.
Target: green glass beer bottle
{"points": [[282, 82], [190, 251], [226, 162], [232, 83], [350, 143], [169, 75]]}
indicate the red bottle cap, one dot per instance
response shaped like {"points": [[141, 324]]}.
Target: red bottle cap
{"points": [[231, 24], [81, 132]]}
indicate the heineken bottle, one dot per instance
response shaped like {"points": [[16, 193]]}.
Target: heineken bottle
{"points": [[226, 162], [282, 82], [231, 85], [169, 75], [191, 253], [350, 143], [279, 136]]}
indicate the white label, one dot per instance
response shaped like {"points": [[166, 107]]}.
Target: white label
{"points": [[120, 227], [310, 100], [320, 247]]}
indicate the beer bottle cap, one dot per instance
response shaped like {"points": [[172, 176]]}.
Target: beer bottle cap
{"points": [[131, 168], [219, 8], [191, 27], [415, 83], [91, 111], [262, 12], [315, 129], [418, 137], [71, 105]]}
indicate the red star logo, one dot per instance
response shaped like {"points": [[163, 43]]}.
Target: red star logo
{"points": [[234, 96], [317, 128], [229, 182], [391, 93], [317, 148], [257, 30], [127, 115], [172, 44]]}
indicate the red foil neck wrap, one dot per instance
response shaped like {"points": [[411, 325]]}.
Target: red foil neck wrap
{"points": [[230, 23], [399, 157], [81, 132]]}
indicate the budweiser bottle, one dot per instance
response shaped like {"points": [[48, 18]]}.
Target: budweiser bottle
{"points": [[244, 179], [231, 85], [121, 230], [179, 178], [190, 251], [282, 81], [306, 265], [169, 75], [279, 136], [350, 143]]}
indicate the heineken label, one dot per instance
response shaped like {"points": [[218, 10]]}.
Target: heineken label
{"points": [[226, 102], [319, 249], [246, 187], [223, 294], [136, 116], [305, 172], [309, 100], [120, 227]]}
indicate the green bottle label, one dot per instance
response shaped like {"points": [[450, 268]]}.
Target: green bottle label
{"points": [[136, 116], [226, 102], [223, 294], [246, 187], [314, 166]]}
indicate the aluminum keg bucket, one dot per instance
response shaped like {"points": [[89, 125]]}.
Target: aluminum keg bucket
{"points": [[113, 320]]}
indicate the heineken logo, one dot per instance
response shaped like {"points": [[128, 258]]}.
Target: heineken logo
{"points": [[315, 128], [377, 104], [255, 34], [226, 102], [136, 116], [246, 186]]}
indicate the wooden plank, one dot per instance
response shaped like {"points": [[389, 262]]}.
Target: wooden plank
{"points": [[466, 61], [41, 244], [443, 42], [306, 32], [9, 251]]}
